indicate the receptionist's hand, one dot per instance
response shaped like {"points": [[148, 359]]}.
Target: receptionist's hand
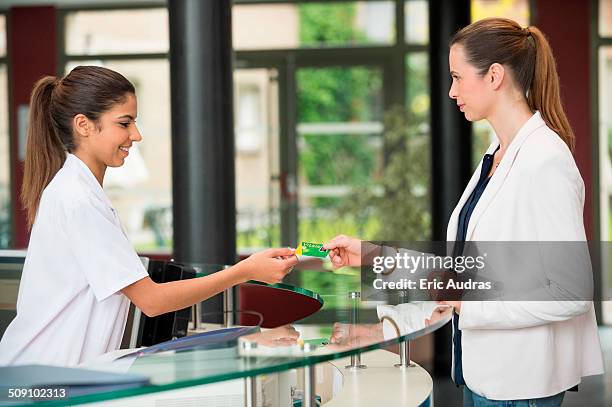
{"points": [[269, 266]]}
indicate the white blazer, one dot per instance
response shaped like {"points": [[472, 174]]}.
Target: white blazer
{"points": [[528, 349]]}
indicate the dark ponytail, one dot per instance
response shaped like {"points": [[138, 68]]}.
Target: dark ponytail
{"points": [[54, 103], [45, 153], [527, 54]]}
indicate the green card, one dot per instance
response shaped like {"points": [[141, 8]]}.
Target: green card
{"points": [[311, 249]]}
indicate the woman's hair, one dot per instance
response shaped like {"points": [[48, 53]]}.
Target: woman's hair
{"points": [[526, 52], [87, 90]]}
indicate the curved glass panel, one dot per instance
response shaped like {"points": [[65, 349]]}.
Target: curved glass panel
{"points": [[344, 326]]}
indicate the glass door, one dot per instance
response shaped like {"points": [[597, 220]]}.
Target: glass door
{"points": [[339, 138], [257, 132], [308, 139]]}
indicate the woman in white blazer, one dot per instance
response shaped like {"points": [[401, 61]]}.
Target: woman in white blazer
{"points": [[526, 188]]}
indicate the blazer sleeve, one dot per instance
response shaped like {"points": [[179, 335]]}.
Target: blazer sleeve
{"points": [[556, 193]]}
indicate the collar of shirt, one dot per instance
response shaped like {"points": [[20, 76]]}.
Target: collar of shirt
{"points": [[72, 161]]}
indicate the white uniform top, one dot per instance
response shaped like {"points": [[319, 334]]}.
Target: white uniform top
{"points": [[70, 307]]}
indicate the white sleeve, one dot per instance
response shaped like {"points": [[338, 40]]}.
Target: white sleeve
{"points": [[101, 249], [517, 314]]}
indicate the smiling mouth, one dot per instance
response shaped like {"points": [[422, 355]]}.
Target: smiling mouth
{"points": [[125, 149]]}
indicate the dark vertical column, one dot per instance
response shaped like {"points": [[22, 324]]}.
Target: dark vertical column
{"points": [[202, 133], [32, 48], [451, 139], [289, 153], [395, 68]]}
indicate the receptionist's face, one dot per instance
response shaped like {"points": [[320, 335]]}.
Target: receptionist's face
{"points": [[118, 132]]}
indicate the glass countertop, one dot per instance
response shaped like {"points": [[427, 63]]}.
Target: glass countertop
{"points": [[344, 326]]}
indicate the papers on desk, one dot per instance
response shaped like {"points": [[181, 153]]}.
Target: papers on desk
{"points": [[214, 339]]}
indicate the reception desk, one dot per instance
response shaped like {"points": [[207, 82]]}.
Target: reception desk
{"points": [[335, 357]]}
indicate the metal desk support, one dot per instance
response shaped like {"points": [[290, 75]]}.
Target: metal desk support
{"points": [[250, 391], [355, 297], [404, 356], [309, 399]]}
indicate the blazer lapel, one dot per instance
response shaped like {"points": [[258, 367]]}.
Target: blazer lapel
{"points": [[498, 178]]}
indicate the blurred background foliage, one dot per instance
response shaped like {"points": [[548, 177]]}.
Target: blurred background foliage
{"points": [[389, 200]]}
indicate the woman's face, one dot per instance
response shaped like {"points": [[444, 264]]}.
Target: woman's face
{"points": [[471, 91], [109, 143]]}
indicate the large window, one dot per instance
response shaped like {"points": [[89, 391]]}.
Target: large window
{"points": [[138, 31], [604, 90], [340, 147], [347, 126], [289, 26], [134, 42], [257, 158], [5, 166]]}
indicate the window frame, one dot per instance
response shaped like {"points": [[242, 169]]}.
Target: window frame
{"points": [[602, 262], [4, 60], [63, 58]]}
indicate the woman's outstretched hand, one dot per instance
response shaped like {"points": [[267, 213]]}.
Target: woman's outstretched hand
{"points": [[269, 266], [344, 251]]}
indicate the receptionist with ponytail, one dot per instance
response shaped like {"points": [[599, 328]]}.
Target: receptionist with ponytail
{"points": [[80, 271], [526, 188]]}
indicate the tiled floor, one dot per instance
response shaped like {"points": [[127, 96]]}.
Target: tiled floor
{"points": [[595, 391]]}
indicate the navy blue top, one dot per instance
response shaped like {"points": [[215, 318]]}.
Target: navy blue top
{"points": [[464, 219]]}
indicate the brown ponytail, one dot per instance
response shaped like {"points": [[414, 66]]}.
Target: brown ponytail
{"points": [[87, 90], [544, 94], [527, 54]]}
